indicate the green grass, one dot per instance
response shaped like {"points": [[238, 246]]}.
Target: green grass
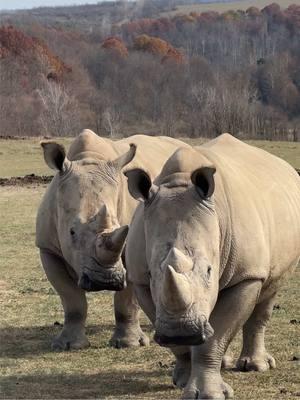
{"points": [[21, 157], [223, 7], [29, 307]]}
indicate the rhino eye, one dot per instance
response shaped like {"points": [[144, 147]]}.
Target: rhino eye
{"points": [[72, 232], [208, 271]]}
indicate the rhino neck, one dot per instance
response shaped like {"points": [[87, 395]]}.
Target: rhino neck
{"points": [[126, 203]]}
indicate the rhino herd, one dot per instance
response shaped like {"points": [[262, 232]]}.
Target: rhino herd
{"points": [[198, 237]]}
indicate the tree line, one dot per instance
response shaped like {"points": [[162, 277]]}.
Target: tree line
{"points": [[188, 75]]}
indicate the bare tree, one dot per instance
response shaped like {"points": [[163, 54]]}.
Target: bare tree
{"points": [[111, 121], [59, 115]]}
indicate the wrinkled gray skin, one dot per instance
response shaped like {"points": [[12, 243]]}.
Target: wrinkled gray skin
{"points": [[206, 253], [82, 225]]}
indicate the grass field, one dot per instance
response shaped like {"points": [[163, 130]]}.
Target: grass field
{"points": [[232, 5], [21, 157], [29, 308]]}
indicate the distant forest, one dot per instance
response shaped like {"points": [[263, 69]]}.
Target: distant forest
{"points": [[121, 68]]}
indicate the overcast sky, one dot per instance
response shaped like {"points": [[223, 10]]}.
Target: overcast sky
{"points": [[19, 4]]}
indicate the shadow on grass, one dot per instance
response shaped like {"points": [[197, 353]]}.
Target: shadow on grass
{"points": [[20, 342], [99, 385]]}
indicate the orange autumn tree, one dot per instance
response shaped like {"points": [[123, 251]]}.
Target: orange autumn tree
{"points": [[27, 50], [116, 46], [158, 47]]}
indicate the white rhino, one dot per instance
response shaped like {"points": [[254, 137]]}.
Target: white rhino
{"points": [[206, 252], [82, 224]]}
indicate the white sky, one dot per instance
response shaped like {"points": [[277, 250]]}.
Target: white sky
{"points": [[22, 4]]}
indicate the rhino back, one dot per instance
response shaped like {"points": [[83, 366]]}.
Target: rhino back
{"points": [[260, 194]]}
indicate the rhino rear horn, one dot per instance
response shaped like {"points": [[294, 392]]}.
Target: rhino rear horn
{"points": [[125, 159], [176, 291], [179, 261]]}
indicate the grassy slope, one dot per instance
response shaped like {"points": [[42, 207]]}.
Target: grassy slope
{"points": [[21, 157], [29, 307], [222, 7]]}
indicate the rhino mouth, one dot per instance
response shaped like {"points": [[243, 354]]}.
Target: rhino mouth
{"points": [[89, 285], [113, 279], [173, 332], [169, 341]]}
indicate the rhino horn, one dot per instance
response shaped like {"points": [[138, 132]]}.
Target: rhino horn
{"points": [[176, 291], [179, 261], [105, 219], [109, 245], [115, 240], [125, 159]]}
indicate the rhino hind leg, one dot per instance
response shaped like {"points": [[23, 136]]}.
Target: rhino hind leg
{"points": [[254, 356], [128, 332], [72, 336]]}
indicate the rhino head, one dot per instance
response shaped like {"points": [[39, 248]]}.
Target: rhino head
{"points": [[182, 251], [87, 219]]}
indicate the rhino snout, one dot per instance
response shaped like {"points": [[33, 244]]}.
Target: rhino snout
{"points": [[91, 282], [189, 333]]}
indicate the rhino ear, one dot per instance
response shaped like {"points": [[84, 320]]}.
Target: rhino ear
{"points": [[125, 159], [139, 184], [55, 156], [203, 179]]}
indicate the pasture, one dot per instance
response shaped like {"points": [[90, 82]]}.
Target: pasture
{"points": [[30, 314], [226, 6]]}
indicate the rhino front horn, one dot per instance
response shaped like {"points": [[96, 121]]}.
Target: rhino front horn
{"points": [[176, 291], [116, 239], [109, 245]]}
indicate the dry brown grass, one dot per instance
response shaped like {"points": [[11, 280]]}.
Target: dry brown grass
{"points": [[29, 307], [223, 7]]}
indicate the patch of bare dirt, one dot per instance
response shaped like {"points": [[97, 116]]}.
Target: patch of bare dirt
{"points": [[25, 180]]}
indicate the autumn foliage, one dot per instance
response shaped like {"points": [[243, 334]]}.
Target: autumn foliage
{"points": [[158, 47], [116, 46], [29, 50]]}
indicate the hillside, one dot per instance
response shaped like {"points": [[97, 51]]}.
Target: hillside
{"points": [[225, 6], [193, 74]]}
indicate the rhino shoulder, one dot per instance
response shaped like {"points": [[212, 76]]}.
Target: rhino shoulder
{"points": [[46, 230]]}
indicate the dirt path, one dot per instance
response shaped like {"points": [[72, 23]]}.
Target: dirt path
{"points": [[25, 180]]}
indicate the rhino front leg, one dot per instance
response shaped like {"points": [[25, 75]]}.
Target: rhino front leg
{"points": [[127, 332], [254, 356], [228, 316], [74, 303], [182, 369]]}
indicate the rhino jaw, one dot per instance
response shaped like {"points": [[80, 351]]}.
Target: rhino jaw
{"points": [[89, 285]]}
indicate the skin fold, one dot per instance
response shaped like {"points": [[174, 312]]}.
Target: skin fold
{"points": [[82, 225], [208, 247]]}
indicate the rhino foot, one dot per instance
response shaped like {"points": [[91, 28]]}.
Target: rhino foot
{"points": [[122, 338], [216, 391], [181, 373], [65, 343], [256, 363], [227, 362]]}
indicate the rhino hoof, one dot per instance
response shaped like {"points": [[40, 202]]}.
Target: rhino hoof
{"points": [[120, 341], [181, 373], [224, 391], [259, 364], [227, 362], [65, 345]]}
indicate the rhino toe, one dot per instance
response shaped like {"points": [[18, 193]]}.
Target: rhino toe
{"points": [[259, 364]]}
